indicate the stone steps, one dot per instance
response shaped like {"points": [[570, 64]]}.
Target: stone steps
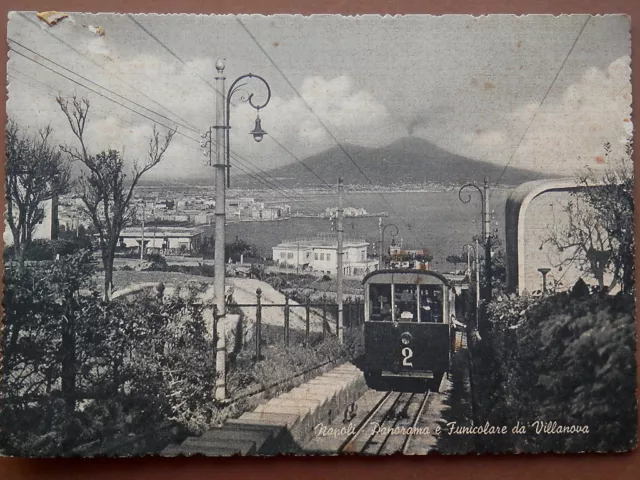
{"points": [[283, 423]]}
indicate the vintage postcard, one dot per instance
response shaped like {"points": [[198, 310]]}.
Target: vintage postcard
{"points": [[325, 235]]}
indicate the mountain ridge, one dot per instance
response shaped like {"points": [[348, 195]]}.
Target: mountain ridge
{"points": [[408, 161]]}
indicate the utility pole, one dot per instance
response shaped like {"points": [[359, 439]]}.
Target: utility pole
{"points": [[219, 267], [144, 206], [380, 243], [340, 229], [486, 228], [477, 250]]}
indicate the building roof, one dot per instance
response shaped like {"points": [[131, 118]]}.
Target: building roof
{"points": [[162, 231], [321, 242]]}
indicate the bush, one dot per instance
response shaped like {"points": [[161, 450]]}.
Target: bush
{"points": [[158, 262], [564, 359], [77, 370], [42, 249]]}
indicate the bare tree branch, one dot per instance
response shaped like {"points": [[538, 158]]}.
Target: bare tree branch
{"points": [[105, 190]]}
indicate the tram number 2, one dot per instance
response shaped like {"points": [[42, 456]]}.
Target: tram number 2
{"points": [[407, 355]]}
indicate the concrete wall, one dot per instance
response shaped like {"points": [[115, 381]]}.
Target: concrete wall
{"points": [[532, 211]]}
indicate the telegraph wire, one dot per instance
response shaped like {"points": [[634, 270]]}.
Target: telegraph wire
{"points": [[101, 86], [173, 54], [236, 156], [100, 94], [543, 99], [255, 40], [71, 47], [337, 142]]}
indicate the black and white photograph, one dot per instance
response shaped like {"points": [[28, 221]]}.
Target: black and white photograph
{"points": [[253, 235]]}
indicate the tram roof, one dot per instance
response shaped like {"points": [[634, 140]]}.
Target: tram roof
{"points": [[406, 272]]}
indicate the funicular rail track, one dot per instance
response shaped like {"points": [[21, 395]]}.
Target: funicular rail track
{"points": [[389, 425]]}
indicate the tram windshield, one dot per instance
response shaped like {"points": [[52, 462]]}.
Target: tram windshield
{"points": [[431, 303], [380, 303], [406, 303]]}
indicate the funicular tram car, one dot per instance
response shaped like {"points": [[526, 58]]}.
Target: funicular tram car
{"points": [[409, 328]]}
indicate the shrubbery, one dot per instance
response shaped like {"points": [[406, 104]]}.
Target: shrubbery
{"points": [[76, 369], [43, 249], [563, 358]]}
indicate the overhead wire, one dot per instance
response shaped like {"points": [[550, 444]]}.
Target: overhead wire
{"points": [[321, 122], [213, 87], [546, 94], [79, 53], [177, 57], [234, 155]]}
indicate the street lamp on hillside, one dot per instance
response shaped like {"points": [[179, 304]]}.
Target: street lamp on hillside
{"points": [[382, 230], [222, 166], [476, 262], [486, 227], [544, 271]]}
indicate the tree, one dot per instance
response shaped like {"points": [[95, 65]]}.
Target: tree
{"points": [[613, 204], [585, 241], [455, 259], [424, 256], [35, 173], [104, 189], [599, 233]]}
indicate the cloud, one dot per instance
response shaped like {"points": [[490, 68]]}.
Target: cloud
{"points": [[478, 106], [352, 116], [568, 134], [593, 111]]}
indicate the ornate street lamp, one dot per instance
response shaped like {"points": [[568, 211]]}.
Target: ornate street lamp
{"points": [[486, 226], [383, 229], [222, 167], [257, 132]]}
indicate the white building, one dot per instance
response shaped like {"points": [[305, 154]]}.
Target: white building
{"points": [[320, 254], [163, 239], [44, 230]]}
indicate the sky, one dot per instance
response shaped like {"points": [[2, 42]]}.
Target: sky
{"points": [[538, 92]]}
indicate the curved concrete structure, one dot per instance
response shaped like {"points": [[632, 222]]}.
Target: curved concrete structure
{"points": [[516, 209]]}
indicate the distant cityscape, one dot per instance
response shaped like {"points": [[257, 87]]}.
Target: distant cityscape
{"points": [[157, 207]]}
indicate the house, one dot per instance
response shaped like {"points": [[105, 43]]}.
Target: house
{"points": [[163, 239], [321, 254], [47, 228]]}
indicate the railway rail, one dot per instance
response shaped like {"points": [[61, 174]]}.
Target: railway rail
{"points": [[390, 425]]}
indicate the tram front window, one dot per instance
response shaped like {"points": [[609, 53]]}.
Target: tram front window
{"points": [[431, 303], [406, 303], [380, 303]]}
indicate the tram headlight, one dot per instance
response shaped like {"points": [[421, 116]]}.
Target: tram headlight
{"points": [[405, 338]]}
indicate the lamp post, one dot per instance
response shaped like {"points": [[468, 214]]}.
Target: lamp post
{"points": [[383, 229], [477, 274], [222, 166], [544, 271], [486, 227]]}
